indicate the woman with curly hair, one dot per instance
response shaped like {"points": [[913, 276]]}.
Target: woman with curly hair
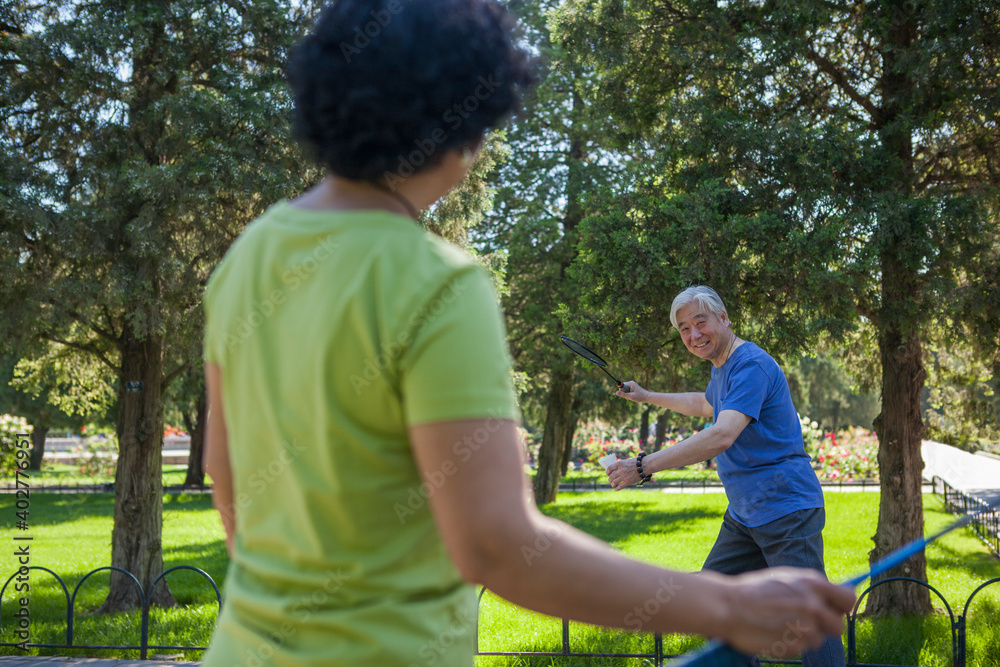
{"points": [[362, 424]]}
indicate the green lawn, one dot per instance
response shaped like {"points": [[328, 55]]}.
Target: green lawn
{"points": [[72, 536]]}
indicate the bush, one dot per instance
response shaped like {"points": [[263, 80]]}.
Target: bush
{"points": [[597, 439], [10, 428], [98, 456]]}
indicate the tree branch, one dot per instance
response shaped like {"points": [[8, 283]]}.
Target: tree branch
{"points": [[169, 377], [90, 349], [840, 79]]}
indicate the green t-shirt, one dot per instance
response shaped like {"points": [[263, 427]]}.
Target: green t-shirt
{"points": [[335, 331]]}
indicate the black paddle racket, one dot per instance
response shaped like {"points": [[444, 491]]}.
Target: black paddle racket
{"points": [[593, 358]]}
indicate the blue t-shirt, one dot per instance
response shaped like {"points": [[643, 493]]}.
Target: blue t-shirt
{"points": [[766, 472]]}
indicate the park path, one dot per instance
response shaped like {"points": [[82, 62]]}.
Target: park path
{"points": [[976, 474]]}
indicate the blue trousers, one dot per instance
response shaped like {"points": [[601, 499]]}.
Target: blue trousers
{"points": [[794, 540]]}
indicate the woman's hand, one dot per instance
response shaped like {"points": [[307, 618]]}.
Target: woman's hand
{"points": [[784, 611]]}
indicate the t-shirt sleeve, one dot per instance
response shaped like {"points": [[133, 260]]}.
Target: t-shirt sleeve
{"points": [[457, 365], [748, 388], [214, 340]]}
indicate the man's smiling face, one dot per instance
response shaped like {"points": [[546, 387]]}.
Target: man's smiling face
{"points": [[706, 335]]}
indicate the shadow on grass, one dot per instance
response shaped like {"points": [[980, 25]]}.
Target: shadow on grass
{"points": [[622, 518], [942, 556], [51, 509]]}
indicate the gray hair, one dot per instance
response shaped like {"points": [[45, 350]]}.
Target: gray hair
{"points": [[704, 296]]}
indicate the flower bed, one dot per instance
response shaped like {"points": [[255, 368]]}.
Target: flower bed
{"points": [[848, 455]]}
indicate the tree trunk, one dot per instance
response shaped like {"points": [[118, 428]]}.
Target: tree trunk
{"points": [[574, 419], [195, 426], [644, 429], [900, 431], [661, 431], [136, 538], [557, 423], [39, 430], [899, 426]]}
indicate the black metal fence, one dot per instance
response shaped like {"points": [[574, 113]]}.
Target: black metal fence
{"points": [[99, 487], [987, 521], [958, 624], [143, 646]]}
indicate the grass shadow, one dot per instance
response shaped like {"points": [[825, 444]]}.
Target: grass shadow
{"points": [[627, 516]]}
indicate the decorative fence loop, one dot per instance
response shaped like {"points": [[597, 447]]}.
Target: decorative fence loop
{"points": [[143, 646], [852, 655], [69, 614], [147, 604]]}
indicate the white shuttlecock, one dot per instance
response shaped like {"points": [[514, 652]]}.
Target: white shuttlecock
{"points": [[605, 461]]}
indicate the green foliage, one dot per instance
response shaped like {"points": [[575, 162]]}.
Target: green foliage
{"points": [[771, 169], [831, 169], [67, 379], [143, 138], [139, 138], [964, 401], [821, 387], [10, 428], [466, 206]]}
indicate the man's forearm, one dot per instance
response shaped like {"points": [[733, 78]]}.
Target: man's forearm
{"points": [[690, 403], [703, 445]]}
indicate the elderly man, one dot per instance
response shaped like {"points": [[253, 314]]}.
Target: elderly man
{"points": [[775, 514]]}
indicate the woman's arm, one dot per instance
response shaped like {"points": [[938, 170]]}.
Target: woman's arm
{"points": [[496, 537], [215, 458]]}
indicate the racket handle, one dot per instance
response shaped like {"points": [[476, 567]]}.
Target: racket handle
{"points": [[624, 387], [713, 654]]}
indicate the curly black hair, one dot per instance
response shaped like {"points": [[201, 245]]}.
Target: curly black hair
{"points": [[386, 87]]}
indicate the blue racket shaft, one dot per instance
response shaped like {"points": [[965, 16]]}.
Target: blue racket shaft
{"points": [[717, 654]]}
